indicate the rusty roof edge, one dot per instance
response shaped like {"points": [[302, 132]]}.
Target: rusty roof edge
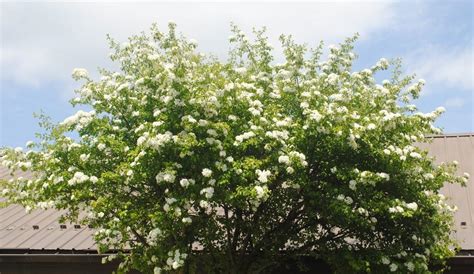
{"points": [[447, 135]]}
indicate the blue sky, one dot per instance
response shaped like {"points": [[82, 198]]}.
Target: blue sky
{"points": [[42, 42]]}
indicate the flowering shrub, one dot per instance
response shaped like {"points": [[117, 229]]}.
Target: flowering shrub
{"points": [[187, 161]]}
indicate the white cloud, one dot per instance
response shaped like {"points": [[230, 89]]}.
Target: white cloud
{"points": [[455, 102], [43, 42], [444, 67]]}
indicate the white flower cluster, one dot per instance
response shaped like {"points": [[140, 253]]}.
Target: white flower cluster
{"points": [[186, 182], [261, 191], [245, 136], [175, 259], [301, 158], [401, 208], [153, 236], [79, 73], [165, 176], [284, 160], [206, 172], [280, 135], [263, 175], [348, 200], [156, 142], [168, 207], [208, 192], [80, 177], [80, 119]]}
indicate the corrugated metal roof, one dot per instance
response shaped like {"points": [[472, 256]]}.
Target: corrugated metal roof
{"points": [[39, 229], [17, 227]]}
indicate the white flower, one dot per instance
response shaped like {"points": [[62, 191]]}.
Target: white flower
{"points": [[332, 79], [440, 109], [206, 172], [28, 209], [353, 184], [159, 140], [366, 71], [254, 111], [212, 132], [393, 267], [410, 266], [371, 126], [141, 140], [290, 170], [187, 220], [263, 175], [241, 70], [276, 134], [415, 155], [165, 177], [385, 260], [79, 73], [203, 204], [399, 209], [315, 115], [362, 211], [84, 157], [78, 177], [260, 191], [80, 119], [240, 138], [157, 270], [156, 112], [153, 235], [202, 123], [413, 206], [208, 192], [284, 159], [184, 183], [383, 176], [428, 176], [157, 123], [101, 146], [383, 63]]}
